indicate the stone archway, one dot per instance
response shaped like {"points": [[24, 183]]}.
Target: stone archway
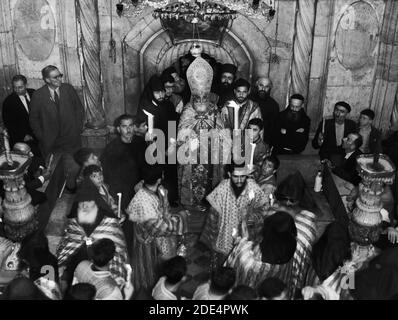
{"points": [[159, 53], [144, 42]]}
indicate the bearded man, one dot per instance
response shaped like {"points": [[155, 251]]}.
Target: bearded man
{"points": [[292, 127], [90, 224], [236, 203], [248, 109], [197, 179], [283, 247], [268, 106], [223, 88]]}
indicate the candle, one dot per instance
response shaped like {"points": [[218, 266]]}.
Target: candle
{"points": [[323, 125], [234, 233], [150, 121], [129, 273], [50, 161], [251, 164], [271, 199], [236, 107], [62, 190], [251, 195], [119, 204], [7, 148]]}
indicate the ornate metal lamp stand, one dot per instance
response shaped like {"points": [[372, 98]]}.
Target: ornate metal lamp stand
{"points": [[19, 214], [365, 221]]}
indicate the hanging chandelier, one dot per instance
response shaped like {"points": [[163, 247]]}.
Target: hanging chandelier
{"points": [[199, 10], [193, 12]]}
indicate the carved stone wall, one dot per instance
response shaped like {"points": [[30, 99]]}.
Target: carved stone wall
{"points": [[353, 54]]}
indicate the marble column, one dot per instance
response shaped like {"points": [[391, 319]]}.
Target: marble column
{"points": [[302, 47], [384, 99], [96, 132]]}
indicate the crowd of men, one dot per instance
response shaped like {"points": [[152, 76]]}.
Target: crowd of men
{"points": [[123, 237]]}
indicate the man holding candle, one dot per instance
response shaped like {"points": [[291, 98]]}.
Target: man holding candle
{"points": [[155, 229], [236, 202], [160, 112], [198, 121], [330, 133], [90, 223], [237, 112], [223, 87], [292, 127]]}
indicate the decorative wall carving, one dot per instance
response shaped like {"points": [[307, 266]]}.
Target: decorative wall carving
{"points": [[34, 27], [357, 35]]}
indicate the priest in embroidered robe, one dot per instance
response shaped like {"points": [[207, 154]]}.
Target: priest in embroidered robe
{"points": [[248, 109], [236, 203], [90, 224], [201, 168], [156, 230], [284, 245]]}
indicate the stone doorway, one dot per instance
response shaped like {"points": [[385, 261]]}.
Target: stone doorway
{"points": [[157, 52]]}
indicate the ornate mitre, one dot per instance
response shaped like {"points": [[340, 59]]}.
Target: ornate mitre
{"points": [[200, 77]]}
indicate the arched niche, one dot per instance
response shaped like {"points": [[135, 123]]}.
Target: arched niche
{"points": [[147, 44], [159, 53]]}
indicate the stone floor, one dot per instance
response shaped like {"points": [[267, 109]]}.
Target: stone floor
{"points": [[198, 257]]}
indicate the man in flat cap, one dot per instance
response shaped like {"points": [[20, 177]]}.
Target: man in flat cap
{"points": [[292, 127], [370, 135], [224, 88], [248, 109], [330, 133]]}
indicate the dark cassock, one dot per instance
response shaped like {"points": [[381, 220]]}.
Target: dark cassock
{"points": [[269, 111], [292, 131], [223, 86], [163, 111], [121, 171]]}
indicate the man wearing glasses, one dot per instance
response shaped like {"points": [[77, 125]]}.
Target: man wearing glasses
{"points": [[57, 118]]}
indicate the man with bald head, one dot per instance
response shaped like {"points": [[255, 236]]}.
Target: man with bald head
{"points": [[268, 106]]}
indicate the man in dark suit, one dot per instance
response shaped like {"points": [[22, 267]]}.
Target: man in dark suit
{"points": [[16, 109], [348, 169], [330, 133], [57, 117]]}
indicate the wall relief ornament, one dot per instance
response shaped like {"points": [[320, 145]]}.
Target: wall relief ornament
{"points": [[34, 28]]}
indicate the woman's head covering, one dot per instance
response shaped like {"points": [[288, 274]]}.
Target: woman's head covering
{"points": [[331, 250], [279, 238]]}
